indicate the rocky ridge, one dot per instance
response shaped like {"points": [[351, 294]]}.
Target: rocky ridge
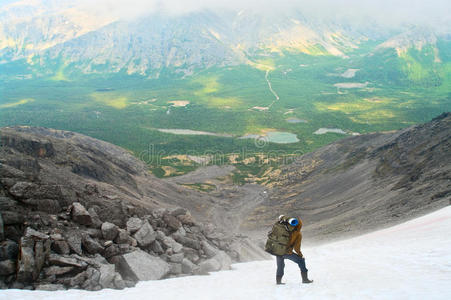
{"points": [[76, 212]]}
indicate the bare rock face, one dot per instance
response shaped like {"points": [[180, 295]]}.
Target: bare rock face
{"points": [[139, 265]]}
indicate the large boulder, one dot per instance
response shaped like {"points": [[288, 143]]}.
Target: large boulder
{"points": [[80, 214], [73, 238], [186, 241], [23, 189], [172, 244], [134, 224], [8, 250], [208, 249], [7, 267], [172, 222], [145, 235], [26, 263], [188, 267], [122, 237], [221, 261], [61, 247], [91, 245], [209, 265], [107, 275], [139, 265], [109, 231]]}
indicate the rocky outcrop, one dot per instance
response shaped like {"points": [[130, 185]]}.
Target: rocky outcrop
{"points": [[76, 212]]}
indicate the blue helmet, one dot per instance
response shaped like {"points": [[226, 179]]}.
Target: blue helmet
{"points": [[293, 222]]}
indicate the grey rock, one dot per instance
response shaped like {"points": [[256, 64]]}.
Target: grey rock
{"points": [[30, 232], [80, 214], [171, 243], [139, 265], [122, 237], [160, 235], [91, 245], [191, 254], [111, 251], [26, 263], [76, 280], [109, 231], [12, 217], [145, 235], [175, 268], [176, 258], [172, 222], [7, 267], [188, 242], [129, 283], [23, 189], [107, 275], [178, 211], [107, 243], [96, 222], [119, 283], [56, 237], [60, 260], [8, 250], [57, 271], [156, 247], [209, 265], [224, 260], [209, 250], [186, 219], [50, 287], [134, 224], [41, 251], [94, 233], [93, 278], [181, 231], [74, 238], [188, 267]]}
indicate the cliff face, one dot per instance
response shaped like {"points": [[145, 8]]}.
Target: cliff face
{"points": [[364, 182], [81, 213]]}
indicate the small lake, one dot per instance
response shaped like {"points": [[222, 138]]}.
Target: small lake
{"points": [[278, 137], [192, 132], [331, 130], [281, 137]]}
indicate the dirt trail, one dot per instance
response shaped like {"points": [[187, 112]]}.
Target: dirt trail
{"points": [[271, 89]]}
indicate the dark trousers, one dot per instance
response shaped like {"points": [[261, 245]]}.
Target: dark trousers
{"points": [[293, 257]]}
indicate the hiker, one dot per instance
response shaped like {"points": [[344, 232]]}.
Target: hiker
{"points": [[285, 237]]}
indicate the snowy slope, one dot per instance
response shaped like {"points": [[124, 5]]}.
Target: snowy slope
{"points": [[408, 261]]}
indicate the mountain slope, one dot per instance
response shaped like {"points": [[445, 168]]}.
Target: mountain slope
{"points": [[364, 182]]}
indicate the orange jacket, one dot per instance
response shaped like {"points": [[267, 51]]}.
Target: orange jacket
{"points": [[295, 240]]}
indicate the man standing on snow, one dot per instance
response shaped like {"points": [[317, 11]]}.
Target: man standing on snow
{"points": [[293, 244]]}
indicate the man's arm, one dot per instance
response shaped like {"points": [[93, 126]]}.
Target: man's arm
{"points": [[297, 245]]}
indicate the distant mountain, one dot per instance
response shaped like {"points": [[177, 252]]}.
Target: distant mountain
{"points": [[55, 34]]}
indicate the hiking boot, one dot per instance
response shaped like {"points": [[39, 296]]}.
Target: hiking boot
{"points": [[279, 280], [305, 278]]}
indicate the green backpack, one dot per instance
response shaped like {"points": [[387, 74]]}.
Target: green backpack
{"points": [[279, 238]]}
